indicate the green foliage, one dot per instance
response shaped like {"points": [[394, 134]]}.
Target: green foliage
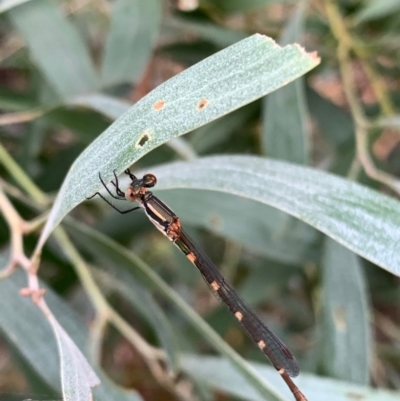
{"points": [[293, 195]]}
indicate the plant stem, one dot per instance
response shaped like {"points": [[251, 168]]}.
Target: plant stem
{"points": [[345, 45], [21, 178]]}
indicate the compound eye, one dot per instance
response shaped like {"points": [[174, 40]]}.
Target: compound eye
{"points": [[130, 194], [149, 180]]}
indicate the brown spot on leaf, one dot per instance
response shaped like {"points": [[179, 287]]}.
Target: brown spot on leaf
{"points": [[159, 105], [215, 221], [339, 317], [356, 396], [202, 104]]}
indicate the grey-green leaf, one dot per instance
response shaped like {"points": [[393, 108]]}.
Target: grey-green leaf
{"points": [[346, 347], [6, 5], [77, 376], [217, 85], [134, 28], [219, 375], [376, 9], [286, 133], [31, 334], [286, 125], [205, 30], [56, 47], [363, 220], [214, 210], [110, 106]]}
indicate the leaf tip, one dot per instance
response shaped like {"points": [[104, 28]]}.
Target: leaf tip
{"points": [[312, 55]]}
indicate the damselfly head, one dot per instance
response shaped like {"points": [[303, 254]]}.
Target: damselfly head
{"points": [[149, 180]]}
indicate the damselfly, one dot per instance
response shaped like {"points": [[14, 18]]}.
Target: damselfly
{"points": [[169, 224]]}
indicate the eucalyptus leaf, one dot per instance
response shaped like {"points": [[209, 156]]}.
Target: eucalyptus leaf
{"points": [[286, 127], [219, 375], [5, 5], [376, 9], [31, 334], [207, 31], [361, 219], [134, 28], [346, 330], [56, 47], [77, 376], [113, 108], [214, 87], [239, 219], [335, 123]]}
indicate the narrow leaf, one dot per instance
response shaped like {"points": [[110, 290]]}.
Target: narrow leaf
{"points": [[286, 133], [214, 87], [346, 329], [77, 376], [31, 334], [208, 31], [363, 220], [335, 123], [249, 227], [219, 375], [110, 106], [376, 9], [286, 125], [134, 28], [6, 5], [56, 47]]}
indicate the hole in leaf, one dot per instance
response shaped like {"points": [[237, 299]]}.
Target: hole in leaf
{"points": [[142, 140], [202, 104]]}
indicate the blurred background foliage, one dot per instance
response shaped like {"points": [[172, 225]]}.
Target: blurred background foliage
{"points": [[341, 117]]}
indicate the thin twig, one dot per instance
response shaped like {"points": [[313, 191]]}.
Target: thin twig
{"points": [[105, 313], [15, 225], [345, 45], [18, 227], [22, 116], [21, 178]]}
